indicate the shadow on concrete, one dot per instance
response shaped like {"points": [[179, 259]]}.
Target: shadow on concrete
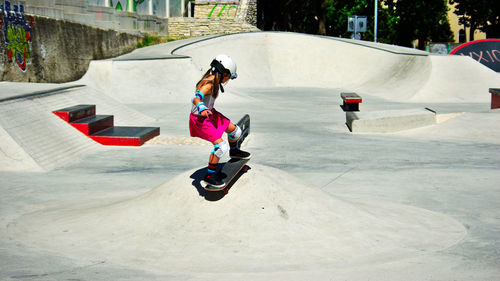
{"points": [[198, 176]]}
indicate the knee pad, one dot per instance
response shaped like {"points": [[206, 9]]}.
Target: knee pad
{"points": [[236, 134], [220, 149]]}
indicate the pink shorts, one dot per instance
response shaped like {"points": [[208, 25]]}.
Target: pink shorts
{"points": [[208, 128]]}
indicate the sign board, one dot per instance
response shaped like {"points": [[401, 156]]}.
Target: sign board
{"points": [[356, 24], [485, 51]]}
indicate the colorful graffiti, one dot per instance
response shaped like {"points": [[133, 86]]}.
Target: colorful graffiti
{"points": [[127, 3], [485, 51], [222, 10], [17, 33]]}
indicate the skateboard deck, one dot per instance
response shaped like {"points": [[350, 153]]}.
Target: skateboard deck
{"points": [[244, 124], [230, 172]]}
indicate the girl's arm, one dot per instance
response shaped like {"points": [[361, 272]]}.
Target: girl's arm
{"points": [[201, 91]]}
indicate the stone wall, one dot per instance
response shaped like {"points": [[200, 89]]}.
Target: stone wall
{"points": [[216, 17], [216, 9], [57, 50], [192, 27], [241, 10], [251, 12]]}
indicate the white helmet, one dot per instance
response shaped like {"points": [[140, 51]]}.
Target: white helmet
{"points": [[224, 63]]}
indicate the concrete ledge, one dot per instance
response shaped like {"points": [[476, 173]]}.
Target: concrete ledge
{"points": [[389, 121]]}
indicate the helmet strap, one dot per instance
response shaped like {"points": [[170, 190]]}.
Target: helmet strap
{"points": [[217, 66]]}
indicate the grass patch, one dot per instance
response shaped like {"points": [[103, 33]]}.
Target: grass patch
{"points": [[150, 40]]}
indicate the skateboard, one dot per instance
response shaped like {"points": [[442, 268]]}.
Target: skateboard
{"points": [[234, 167], [244, 124], [231, 171]]}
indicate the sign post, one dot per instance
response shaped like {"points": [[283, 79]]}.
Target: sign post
{"points": [[376, 22], [356, 25]]}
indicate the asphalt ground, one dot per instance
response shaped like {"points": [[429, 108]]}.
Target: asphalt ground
{"points": [[449, 169]]}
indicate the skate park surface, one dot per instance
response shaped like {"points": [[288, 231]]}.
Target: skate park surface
{"points": [[319, 202]]}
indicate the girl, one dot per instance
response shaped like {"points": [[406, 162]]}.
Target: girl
{"points": [[207, 123]]}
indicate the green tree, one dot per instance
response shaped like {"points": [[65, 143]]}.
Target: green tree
{"points": [[479, 14], [339, 10], [492, 25], [423, 20], [400, 21], [321, 6], [289, 15]]}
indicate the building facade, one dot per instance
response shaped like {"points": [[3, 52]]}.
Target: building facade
{"points": [[460, 32], [157, 17]]}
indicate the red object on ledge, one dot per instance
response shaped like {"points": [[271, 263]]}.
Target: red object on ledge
{"points": [[351, 101], [101, 128], [495, 98]]}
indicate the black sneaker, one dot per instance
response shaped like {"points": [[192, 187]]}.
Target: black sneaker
{"points": [[213, 180], [239, 154]]}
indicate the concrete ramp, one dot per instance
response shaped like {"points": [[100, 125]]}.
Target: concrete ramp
{"points": [[37, 140], [269, 221], [457, 79], [145, 79], [267, 59], [168, 72], [13, 157], [274, 59]]}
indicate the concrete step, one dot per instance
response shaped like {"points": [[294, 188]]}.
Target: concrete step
{"points": [[94, 124], [126, 136], [73, 113], [101, 128]]}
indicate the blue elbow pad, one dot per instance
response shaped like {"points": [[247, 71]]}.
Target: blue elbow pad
{"points": [[199, 94]]}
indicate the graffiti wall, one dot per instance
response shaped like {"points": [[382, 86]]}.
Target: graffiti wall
{"points": [[150, 7], [44, 50], [126, 5], [485, 51], [145, 7], [16, 29], [216, 9]]}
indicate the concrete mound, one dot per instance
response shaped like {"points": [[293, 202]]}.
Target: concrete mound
{"points": [[270, 221]]}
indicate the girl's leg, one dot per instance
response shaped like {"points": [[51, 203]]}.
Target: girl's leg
{"points": [[230, 129], [234, 151], [213, 161]]}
